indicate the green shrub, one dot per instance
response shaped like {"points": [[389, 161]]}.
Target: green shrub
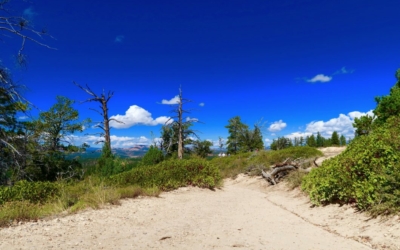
{"points": [[171, 174], [35, 192], [152, 156], [367, 173]]}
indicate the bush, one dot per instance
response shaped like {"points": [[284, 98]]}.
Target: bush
{"points": [[152, 156], [171, 174], [35, 192], [367, 173]]}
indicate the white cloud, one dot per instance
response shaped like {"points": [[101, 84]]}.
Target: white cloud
{"points": [[174, 100], [201, 104], [277, 126], [119, 39], [24, 117], [216, 142], [136, 115], [320, 78], [116, 141], [267, 142], [298, 134], [342, 124], [126, 141]]}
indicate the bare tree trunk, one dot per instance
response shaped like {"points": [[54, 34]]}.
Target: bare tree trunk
{"points": [[182, 126], [106, 121], [103, 100], [180, 129]]}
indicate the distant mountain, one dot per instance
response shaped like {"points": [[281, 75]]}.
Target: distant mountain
{"points": [[132, 152]]}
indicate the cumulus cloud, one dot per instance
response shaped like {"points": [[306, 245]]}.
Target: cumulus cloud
{"points": [[277, 126], [343, 124], [320, 78], [126, 141], [119, 39], [216, 142], [201, 104], [298, 134], [116, 141], [136, 115], [174, 100]]}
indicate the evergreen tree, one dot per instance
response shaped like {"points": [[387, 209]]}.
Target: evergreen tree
{"points": [[342, 140], [388, 105], [281, 143], [170, 137], [202, 148], [235, 130], [311, 142], [319, 140], [59, 122], [301, 141], [335, 139], [250, 140]]}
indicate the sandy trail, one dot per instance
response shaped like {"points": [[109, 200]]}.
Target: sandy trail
{"points": [[240, 215], [246, 213]]}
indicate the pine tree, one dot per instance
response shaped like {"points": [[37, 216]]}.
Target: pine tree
{"points": [[342, 140], [335, 139], [235, 129], [311, 141], [320, 140]]}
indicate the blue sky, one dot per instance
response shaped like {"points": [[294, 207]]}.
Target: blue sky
{"points": [[299, 66]]}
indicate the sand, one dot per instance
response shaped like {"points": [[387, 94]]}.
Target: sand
{"points": [[246, 213]]}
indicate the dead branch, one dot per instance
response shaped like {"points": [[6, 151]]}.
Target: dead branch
{"points": [[103, 100], [281, 169]]}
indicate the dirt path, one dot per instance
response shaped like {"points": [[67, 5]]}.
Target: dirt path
{"points": [[239, 216], [246, 213]]}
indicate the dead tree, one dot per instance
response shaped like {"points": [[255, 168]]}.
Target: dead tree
{"points": [[182, 126], [105, 124], [280, 170]]}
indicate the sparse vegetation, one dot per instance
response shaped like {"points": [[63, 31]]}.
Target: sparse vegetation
{"points": [[233, 165]]}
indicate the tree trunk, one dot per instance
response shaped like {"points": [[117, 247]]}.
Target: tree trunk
{"points": [[180, 135], [107, 137]]}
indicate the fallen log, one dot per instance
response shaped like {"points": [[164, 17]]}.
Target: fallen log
{"points": [[274, 176], [280, 170]]}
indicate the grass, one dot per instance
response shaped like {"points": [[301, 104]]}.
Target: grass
{"points": [[294, 179], [96, 192], [90, 193]]}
